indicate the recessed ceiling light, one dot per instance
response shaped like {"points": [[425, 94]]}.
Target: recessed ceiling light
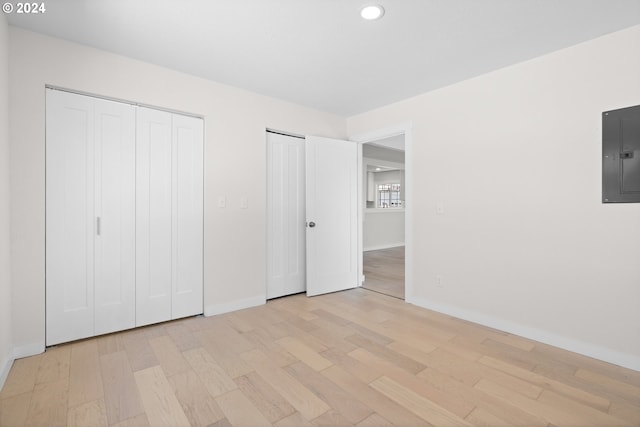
{"points": [[377, 169], [372, 12]]}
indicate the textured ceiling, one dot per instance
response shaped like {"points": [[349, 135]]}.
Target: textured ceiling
{"points": [[320, 53]]}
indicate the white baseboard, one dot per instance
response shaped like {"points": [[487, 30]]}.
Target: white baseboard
{"points": [[18, 353], [387, 246], [602, 353], [4, 371], [212, 310], [28, 350]]}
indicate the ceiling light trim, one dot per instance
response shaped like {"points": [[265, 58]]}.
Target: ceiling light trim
{"points": [[371, 12]]}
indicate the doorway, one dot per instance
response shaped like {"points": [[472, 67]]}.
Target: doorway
{"points": [[383, 219]]}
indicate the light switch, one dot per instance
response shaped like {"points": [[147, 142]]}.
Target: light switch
{"points": [[222, 202], [440, 208], [244, 204]]}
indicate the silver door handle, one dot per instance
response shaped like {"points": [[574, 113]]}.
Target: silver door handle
{"points": [[98, 226]]}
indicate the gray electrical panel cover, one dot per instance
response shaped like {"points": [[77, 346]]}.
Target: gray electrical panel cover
{"points": [[621, 155]]}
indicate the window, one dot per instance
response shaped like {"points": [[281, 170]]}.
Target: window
{"points": [[388, 195]]}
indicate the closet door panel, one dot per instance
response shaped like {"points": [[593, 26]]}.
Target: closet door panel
{"points": [[153, 212], [188, 133], [69, 217], [115, 208]]}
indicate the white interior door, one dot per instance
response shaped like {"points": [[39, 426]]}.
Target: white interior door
{"points": [[332, 215], [70, 218], [153, 216], [285, 215], [187, 216]]}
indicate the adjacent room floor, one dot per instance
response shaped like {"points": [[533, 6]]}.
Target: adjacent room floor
{"points": [[384, 271], [348, 358]]}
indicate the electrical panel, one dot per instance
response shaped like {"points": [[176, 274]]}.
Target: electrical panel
{"points": [[621, 155]]}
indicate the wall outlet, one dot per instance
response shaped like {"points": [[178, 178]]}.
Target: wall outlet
{"points": [[439, 281]]}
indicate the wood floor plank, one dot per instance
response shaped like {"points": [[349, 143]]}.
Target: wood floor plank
{"points": [[383, 405], [422, 407], [339, 400], [182, 336], [563, 405], [240, 411], [386, 353], [451, 364], [619, 388], [167, 353], [48, 406], [226, 357], [121, 397], [139, 352], [480, 417], [14, 409], [455, 389], [547, 383], [374, 420], [85, 378], [161, 405], [293, 420], [304, 353], [625, 412], [222, 334], [54, 364], [331, 418], [213, 376], [91, 413], [137, 421], [413, 383], [268, 401], [552, 407], [110, 343], [301, 398], [22, 377], [363, 372], [263, 340], [197, 403]]}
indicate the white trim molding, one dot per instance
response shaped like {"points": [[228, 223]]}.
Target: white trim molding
{"points": [[400, 129]]}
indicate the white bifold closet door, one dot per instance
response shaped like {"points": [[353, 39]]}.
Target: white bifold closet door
{"points": [[169, 220], [124, 216], [90, 216]]}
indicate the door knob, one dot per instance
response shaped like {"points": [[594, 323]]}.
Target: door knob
{"points": [[312, 224]]}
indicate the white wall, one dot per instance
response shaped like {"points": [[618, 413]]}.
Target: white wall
{"points": [[382, 228], [5, 264], [235, 164], [524, 244]]}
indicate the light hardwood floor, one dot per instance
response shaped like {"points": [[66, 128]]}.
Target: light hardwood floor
{"points": [[348, 358], [384, 271]]}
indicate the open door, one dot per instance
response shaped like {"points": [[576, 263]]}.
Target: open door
{"points": [[332, 214]]}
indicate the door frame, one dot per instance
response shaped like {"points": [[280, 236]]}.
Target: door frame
{"points": [[371, 136]]}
